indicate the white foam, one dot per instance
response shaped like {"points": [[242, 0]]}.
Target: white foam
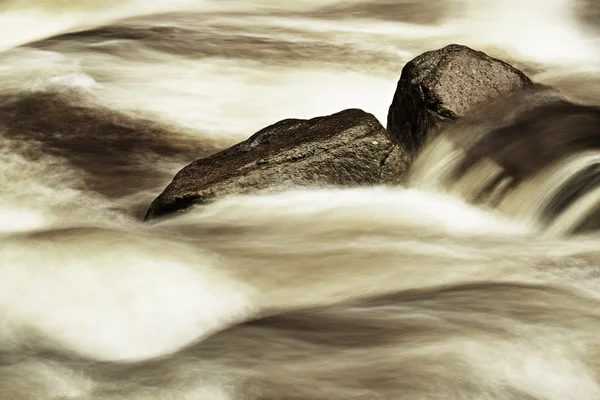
{"points": [[112, 298], [544, 31], [380, 206]]}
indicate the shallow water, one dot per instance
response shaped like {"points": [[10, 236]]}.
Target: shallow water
{"points": [[102, 102]]}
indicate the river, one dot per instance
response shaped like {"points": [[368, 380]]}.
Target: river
{"points": [[358, 293]]}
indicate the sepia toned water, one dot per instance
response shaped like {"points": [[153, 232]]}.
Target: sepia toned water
{"points": [[359, 293]]}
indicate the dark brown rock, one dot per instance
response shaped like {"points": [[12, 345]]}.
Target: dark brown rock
{"points": [[444, 85], [349, 148]]}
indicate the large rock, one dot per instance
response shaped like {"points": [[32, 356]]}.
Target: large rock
{"points": [[444, 85], [350, 148]]}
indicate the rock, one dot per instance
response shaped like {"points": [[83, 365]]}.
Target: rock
{"points": [[443, 85], [349, 148]]}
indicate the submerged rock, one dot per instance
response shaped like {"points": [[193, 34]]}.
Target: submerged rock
{"points": [[534, 154], [349, 148], [444, 85]]}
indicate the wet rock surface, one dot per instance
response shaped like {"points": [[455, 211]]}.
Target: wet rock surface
{"points": [[444, 85], [350, 148]]}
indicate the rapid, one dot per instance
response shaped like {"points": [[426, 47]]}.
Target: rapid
{"points": [[413, 292]]}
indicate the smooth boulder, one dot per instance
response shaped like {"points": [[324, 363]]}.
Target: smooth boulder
{"points": [[444, 85], [349, 148]]}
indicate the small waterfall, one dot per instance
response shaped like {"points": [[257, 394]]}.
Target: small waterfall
{"points": [[547, 177]]}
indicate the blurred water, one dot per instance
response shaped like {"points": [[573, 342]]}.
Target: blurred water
{"points": [[102, 102]]}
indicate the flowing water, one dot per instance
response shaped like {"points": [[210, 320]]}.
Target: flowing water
{"points": [[358, 293]]}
